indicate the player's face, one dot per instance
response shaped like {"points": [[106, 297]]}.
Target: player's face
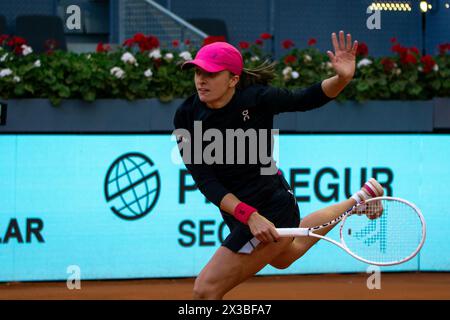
{"points": [[215, 88]]}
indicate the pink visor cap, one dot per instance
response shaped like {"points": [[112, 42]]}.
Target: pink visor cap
{"points": [[218, 56]]}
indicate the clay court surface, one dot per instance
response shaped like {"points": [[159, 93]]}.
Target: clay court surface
{"points": [[298, 287]]}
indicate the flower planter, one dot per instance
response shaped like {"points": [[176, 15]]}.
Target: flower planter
{"points": [[442, 114], [143, 116], [76, 116]]}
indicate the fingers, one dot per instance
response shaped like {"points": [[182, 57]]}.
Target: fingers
{"points": [[263, 229], [331, 56], [374, 210], [355, 47], [344, 43], [268, 235], [334, 42], [348, 45], [341, 40]]}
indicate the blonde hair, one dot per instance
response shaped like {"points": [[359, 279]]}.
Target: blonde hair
{"points": [[262, 74]]}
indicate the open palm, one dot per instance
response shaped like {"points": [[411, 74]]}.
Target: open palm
{"points": [[343, 58]]}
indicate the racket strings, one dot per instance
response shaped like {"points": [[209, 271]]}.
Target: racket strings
{"points": [[382, 231]]}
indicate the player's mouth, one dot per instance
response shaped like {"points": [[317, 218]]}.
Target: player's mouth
{"points": [[202, 91]]}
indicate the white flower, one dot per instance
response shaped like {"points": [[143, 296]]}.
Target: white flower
{"points": [[148, 73], [37, 63], [287, 71], [364, 62], [128, 58], [397, 71], [254, 58], [168, 56], [295, 74], [118, 72], [16, 79], [26, 50], [3, 58], [420, 68], [436, 68], [307, 58], [5, 72], [155, 54], [88, 56], [186, 55]]}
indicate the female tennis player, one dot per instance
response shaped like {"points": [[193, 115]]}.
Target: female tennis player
{"points": [[253, 204]]}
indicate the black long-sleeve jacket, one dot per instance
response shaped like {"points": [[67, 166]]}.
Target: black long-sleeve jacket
{"points": [[252, 107]]}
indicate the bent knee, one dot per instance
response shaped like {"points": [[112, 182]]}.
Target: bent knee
{"points": [[205, 291], [291, 253], [281, 264]]}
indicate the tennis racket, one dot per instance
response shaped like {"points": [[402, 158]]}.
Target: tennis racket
{"points": [[393, 237]]}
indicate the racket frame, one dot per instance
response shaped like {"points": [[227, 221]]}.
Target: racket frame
{"points": [[309, 232]]}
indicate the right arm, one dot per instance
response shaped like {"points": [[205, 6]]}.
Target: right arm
{"points": [[261, 228]]}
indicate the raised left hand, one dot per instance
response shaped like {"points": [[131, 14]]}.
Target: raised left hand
{"points": [[343, 58]]}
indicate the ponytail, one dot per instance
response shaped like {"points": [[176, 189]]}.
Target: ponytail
{"points": [[262, 74]]}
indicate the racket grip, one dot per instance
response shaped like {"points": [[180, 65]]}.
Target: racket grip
{"points": [[293, 232]]}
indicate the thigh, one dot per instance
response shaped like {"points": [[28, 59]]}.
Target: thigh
{"points": [[227, 269]]}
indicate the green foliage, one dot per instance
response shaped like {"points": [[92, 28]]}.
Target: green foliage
{"points": [[65, 75]]}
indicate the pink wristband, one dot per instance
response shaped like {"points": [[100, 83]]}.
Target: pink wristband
{"points": [[243, 211]]}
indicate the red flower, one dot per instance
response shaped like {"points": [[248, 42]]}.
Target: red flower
{"points": [[290, 59], [50, 46], [266, 36], [103, 48], [148, 43], [443, 48], [16, 41], [399, 49], [145, 43], [3, 38], [18, 50], [428, 63], [388, 64], [414, 50], [362, 49], [128, 43], [259, 42], [139, 37], [287, 44], [244, 45], [175, 43], [393, 40], [312, 41], [408, 59], [212, 39], [187, 42]]}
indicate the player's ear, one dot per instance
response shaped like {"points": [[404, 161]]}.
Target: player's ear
{"points": [[234, 79]]}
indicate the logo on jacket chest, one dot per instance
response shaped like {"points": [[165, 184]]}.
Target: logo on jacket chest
{"points": [[245, 115]]}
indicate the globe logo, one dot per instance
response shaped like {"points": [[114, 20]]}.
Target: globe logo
{"points": [[132, 186]]}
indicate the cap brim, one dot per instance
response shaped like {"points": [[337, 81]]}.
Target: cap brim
{"points": [[205, 65]]}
